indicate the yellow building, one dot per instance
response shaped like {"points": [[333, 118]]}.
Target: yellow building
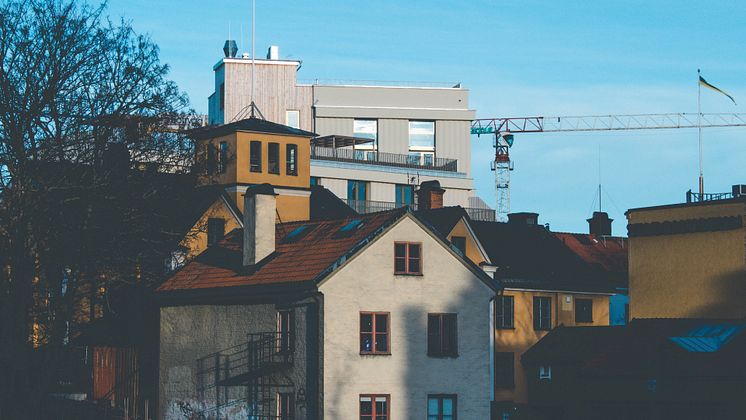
{"points": [[688, 260], [549, 279], [238, 155]]}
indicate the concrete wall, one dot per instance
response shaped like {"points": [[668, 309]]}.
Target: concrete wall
{"points": [[188, 333], [699, 274], [408, 375]]}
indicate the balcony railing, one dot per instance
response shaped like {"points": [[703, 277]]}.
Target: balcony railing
{"points": [[414, 161], [692, 197], [367, 206]]}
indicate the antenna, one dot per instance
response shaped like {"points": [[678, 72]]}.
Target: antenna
{"points": [[253, 41], [599, 177]]}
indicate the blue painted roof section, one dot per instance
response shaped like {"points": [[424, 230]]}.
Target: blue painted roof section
{"points": [[707, 338]]}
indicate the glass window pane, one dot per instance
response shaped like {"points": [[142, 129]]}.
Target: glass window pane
{"points": [[366, 129], [366, 323], [400, 265], [382, 323], [366, 342], [293, 119], [421, 134], [414, 250], [366, 407], [432, 406], [382, 344], [400, 250], [447, 406], [414, 265]]}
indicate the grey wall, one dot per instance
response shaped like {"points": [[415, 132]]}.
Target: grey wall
{"points": [[188, 333]]}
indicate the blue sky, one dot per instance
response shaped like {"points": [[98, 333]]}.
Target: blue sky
{"points": [[521, 58]]}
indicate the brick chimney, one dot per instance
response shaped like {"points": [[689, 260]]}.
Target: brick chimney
{"points": [[430, 195], [600, 224], [260, 209]]}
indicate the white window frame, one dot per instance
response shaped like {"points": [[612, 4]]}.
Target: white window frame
{"points": [[287, 117], [367, 146], [420, 148]]}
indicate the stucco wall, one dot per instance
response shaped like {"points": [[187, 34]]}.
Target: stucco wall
{"points": [[188, 333], [408, 375]]}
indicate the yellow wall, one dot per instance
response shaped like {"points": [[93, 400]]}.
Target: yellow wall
{"points": [[196, 240], [237, 170], [290, 208], [523, 336], [700, 274], [472, 250]]}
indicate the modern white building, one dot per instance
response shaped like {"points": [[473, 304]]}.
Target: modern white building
{"points": [[377, 141]]}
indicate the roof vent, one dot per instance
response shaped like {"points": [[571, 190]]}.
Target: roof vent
{"points": [[273, 53], [600, 224], [230, 48]]}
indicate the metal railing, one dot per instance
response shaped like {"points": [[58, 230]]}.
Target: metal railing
{"points": [[369, 206], [692, 197], [384, 158], [380, 83]]}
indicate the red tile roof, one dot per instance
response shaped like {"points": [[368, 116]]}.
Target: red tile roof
{"points": [[304, 260], [607, 252]]}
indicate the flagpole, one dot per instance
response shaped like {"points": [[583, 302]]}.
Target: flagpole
{"points": [[699, 128]]}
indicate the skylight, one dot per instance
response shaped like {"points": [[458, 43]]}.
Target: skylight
{"points": [[351, 225], [296, 234], [707, 338]]}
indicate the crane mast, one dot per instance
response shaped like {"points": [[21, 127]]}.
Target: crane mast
{"points": [[503, 129]]}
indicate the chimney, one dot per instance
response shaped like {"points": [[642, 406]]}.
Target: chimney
{"points": [[259, 213], [430, 195], [273, 53], [600, 224], [230, 48], [523, 218]]}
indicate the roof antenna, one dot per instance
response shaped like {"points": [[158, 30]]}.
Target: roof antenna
{"points": [[251, 111], [599, 177]]}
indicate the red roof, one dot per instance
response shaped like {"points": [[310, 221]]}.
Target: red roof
{"points": [[606, 252], [305, 259]]}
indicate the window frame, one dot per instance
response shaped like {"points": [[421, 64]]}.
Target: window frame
{"points": [[291, 159], [538, 320], [374, 351], [440, 398], [578, 315], [290, 403], [210, 235], [276, 170], [462, 240], [285, 320], [400, 193], [373, 397], [414, 148], [508, 381], [366, 146], [287, 117], [545, 373], [502, 325], [255, 163], [407, 269], [440, 351]]}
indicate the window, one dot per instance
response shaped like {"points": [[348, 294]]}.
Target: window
{"points": [[421, 135], [374, 407], [407, 258], [222, 96], [291, 159], [504, 369], [210, 158], [583, 310], [223, 157], [285, 406], [292, 118], [284, 331], [315, 180], [215, 230], [404, 194], [442, 339], [545, 372], [357, 190], [255, 156], [542, 313], [460, 243], [365, 129], [374, 333], [441, 407], [273, 150], [504, 312]]}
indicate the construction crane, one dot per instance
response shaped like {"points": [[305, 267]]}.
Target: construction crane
{"points": [[503, 130]]}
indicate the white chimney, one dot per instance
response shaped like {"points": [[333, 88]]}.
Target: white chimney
{"points": [[260, 208], [273, 53]]}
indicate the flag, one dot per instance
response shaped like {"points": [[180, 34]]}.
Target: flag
{"points": [[704, 83]]}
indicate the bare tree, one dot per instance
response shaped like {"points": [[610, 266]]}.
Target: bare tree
{"points": [[81, 97]]}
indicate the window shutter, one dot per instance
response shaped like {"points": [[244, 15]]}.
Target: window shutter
{"points": [[508, 311], [450, 338], [433, 335], [537, 313]]}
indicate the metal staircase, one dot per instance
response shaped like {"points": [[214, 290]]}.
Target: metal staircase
{"points": [[244, 380]]}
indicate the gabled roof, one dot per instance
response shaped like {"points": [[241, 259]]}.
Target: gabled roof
{"points": [[645, 347], [443, 219], [532, 257], [306, 253], [303, 260], [606, 254], [255, 125]]}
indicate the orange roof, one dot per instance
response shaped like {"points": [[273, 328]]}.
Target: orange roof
{"points": [[310, 257], [607, 252]]}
